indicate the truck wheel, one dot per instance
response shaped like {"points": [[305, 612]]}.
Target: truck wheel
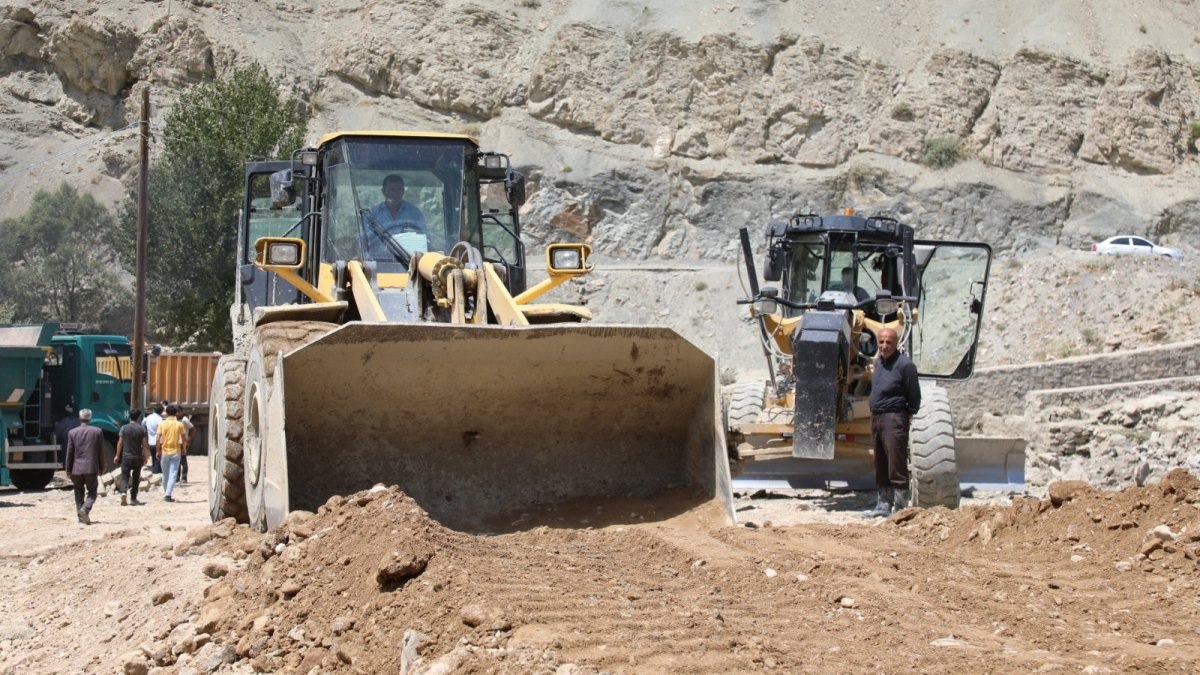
{"points": [[269, 342], [108, 449], [226, 492], [932, 462], [31, 479]]}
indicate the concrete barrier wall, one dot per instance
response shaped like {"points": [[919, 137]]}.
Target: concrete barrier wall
{"points": [[1001, 390], [1095, 396]]}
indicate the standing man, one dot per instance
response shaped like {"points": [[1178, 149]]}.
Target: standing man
{"points": [[152, 421], [895, 398], [171, 435], [187, 444], [133, 451], [84, 445]]}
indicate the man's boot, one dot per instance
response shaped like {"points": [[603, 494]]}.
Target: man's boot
{"points": [[901, 499], [883, 505]]}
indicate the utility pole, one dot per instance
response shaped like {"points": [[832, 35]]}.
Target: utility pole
{"points": [[138, 398]]}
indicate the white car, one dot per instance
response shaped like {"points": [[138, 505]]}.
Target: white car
{"points": [[1128, 243]]}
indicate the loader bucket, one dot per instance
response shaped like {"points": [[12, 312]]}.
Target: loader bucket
{"points": [[479, 421]]}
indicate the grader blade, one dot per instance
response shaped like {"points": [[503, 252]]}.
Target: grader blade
{"points": [[478, 421]]}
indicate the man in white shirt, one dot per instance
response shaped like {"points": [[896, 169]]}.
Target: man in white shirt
{"points": [[152, 421]]}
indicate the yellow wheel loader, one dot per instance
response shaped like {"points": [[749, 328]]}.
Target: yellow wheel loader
{"points": [[843, 278], [384, 333]]}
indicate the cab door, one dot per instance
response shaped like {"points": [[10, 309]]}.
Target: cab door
{"points": [[953, 282], [262, 217]]}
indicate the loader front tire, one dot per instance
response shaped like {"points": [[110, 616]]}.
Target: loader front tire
{"points": [[933, 466], [269, 342], [226, 491]]}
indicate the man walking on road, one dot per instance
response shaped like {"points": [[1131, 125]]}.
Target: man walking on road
{"points": [[133, 451], [153, 420], [895, 398], [84, 445], [171, 436]]}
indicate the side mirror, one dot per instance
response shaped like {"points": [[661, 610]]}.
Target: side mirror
{"points": [[514, 187], [283, 189], [773, 265]]}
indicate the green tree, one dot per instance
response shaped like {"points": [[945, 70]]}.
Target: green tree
{"points": [[58, 263], [195, 190]]}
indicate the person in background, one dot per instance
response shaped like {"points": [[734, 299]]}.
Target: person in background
{"points": [[84, 445], [187, 444], [847, 284], [64, 427], [133, 451], [153, 420], [171, 436]]}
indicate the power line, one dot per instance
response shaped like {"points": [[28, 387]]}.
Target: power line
{"points": [[72, 149]]}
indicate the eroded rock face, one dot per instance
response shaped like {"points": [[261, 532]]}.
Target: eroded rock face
{"points": [[677, 137], [455, 60], [19, 35], [943, 99], [1140, 122], [175, 53], [1038, 112], [92, 54]]}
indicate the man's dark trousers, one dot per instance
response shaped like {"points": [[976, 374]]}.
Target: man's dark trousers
{"points": [[131, 475], [91, 482], [891, 449]]}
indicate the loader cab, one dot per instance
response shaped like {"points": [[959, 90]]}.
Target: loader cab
{"points": [[441, 189], [943, 283]]}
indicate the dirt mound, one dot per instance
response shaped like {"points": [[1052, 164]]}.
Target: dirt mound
{"points": [[1154, 527], [370, 583]]}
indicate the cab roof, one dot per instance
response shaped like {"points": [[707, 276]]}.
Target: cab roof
{"points": [[330, 137]]}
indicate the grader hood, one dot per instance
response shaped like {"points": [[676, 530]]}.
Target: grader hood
{"points": [[478, 421]]}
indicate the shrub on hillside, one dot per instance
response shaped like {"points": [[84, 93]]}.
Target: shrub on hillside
{"points": [[941, 151]]}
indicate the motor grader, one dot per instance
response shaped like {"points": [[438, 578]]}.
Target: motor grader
{"points": [[416, 354], [843, 278]]}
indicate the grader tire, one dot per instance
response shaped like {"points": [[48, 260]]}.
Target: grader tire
{"points": [[745, 403], [269, 342], [227, 494], [932, 462]]}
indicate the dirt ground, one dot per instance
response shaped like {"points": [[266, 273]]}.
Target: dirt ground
{"points": [[1083, 581]]}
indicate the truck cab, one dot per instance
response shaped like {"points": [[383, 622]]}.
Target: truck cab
{"points": [[46, 376]]}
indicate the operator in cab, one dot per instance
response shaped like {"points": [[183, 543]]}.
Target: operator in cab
{"points": [[395, 219]]}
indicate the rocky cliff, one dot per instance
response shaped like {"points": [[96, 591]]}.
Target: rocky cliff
{"points": [[655, 130]]}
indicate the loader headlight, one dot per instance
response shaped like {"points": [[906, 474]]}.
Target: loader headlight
{"points": [[885, 306], [568, 258], [279, 252], [283, 253]]}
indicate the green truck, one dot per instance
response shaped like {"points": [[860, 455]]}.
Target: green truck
{"points": [[48, 374]]}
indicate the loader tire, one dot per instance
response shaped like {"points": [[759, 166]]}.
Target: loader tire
{"points": [[226, 490], [268, 343], [933, 466]]}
